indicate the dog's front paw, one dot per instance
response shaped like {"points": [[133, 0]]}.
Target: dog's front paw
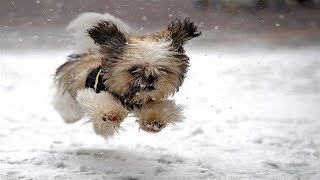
{"points": [[153, 126], [152, 123], [108, 124], [112, 118]]}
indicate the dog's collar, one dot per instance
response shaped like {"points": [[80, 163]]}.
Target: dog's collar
{"points": [[95, 81]]}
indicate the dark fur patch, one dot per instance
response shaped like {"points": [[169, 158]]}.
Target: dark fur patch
{"points": [[126, 99], [181, 32], [74, 57], [108, 36]]}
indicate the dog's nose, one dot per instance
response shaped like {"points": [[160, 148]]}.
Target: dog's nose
{"points": [[151, 79], [150, 83], [149, 88]]}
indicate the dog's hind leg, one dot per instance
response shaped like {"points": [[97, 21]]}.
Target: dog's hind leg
{"points": [[67, 106]]}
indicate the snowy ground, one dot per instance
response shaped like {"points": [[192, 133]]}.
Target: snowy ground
{"points": [[252, 113]]}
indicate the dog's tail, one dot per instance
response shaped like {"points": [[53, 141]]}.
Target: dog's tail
{"points": [[79, 26]]}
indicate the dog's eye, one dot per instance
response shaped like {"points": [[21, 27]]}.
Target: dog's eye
{"points": [[133, 70], [163, 70]]}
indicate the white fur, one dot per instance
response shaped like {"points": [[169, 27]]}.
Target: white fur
{"points": [[95, 105], [167, 111], [156, 113], [79, 26], [67, 107], [151, 51]]}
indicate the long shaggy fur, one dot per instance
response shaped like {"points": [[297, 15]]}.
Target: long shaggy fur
{"points": [[99, 106], [79, 26], [150, 120], [139, 72]]}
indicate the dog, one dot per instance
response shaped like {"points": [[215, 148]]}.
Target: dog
{"points": [[117, 72]]}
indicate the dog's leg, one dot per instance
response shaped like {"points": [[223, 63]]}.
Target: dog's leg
{"points": [[67, 106], [103, 110], [156, 115]]}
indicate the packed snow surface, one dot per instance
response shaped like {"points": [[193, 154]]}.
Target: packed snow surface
{"points": [[251, 113]]}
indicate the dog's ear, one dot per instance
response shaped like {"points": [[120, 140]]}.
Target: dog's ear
{"points": [[108, 36], [181, 32]]}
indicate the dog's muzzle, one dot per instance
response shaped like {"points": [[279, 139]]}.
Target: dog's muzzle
{"points": [[149, 88], [150, 83]]}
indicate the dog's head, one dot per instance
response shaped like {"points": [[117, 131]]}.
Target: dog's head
{"points": [[141, 68]]}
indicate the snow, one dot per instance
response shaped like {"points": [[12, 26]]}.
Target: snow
{"points": [[252, 113]]}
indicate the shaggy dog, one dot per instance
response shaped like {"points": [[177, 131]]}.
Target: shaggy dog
{"points": [[117, 72]]}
